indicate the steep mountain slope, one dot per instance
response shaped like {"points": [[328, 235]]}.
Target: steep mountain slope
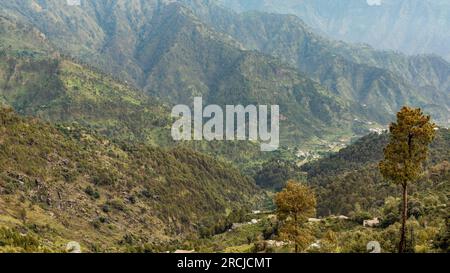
{"points": [[69, 184], [59, 90], [94, 32], [350, 180], [36, 80], [23, 38], [196, 61], [380, 80], [410, 26]]}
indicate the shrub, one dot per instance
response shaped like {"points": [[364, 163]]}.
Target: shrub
{"points": [[92, 192], [106, 208], [117, 204], [104, 178], [11, 238]]}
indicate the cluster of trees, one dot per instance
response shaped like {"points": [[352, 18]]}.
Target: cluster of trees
{"points": [[352, 176], [274, 174], [213, 226], [403, 163]]}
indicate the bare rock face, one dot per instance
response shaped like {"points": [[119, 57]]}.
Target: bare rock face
{"points": [[373, 247], [73, 247]]}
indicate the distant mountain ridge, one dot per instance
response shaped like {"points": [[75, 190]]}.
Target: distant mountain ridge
{"points": [[410, 26]]}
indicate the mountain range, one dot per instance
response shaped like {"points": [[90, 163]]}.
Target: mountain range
{"points": [[379, 80], [175, 51], [174, 70]]}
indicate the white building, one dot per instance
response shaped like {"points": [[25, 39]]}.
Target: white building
{"points": [[371, 223]]}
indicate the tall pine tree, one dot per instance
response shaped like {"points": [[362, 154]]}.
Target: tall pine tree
{"points": [[405, 154]]}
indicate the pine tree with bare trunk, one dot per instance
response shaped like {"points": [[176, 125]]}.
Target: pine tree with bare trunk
{"points": [[405, 155]]}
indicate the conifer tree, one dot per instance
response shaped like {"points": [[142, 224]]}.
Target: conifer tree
{"points": [[405, 155], [294, 205]]}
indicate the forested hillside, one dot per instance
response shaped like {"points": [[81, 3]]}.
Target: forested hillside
{"points": [[350, 179], [62, 184]]}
